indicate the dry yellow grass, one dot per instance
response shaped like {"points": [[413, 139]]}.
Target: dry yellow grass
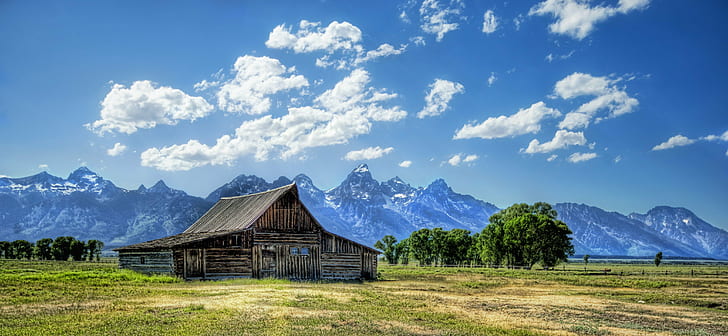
{"points": [[409, 301]]}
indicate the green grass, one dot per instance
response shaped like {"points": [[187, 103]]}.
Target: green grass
{"points": [[61, 298]]}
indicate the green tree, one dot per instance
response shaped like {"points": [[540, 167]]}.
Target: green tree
{"points": [[61, 248], [421, 246], [402, 250], [5, 250], [388, 247], [658, 259], [490, 245], [42, 249], [22, 249], [77, 250], [94, 247], [524, 235], [456, 247]]}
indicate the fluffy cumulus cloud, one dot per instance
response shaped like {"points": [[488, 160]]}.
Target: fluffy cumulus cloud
{"points": [[117, 150], [581, 157], [256, 78], [311, 36], [562, 139], [143, 105], [524, 121], [337, 115], [457, 159], [439, 18], [675, 141], [577, 18], [341, 37], [438, 99], [490, 22], [369, 153], [608, 97], [405, 164], [681, 140], [722, 137], [383, 50]]}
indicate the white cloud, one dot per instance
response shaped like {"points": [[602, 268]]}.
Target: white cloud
{"points": [[382, 51], [341, 37], [418, 41], [492, 78], [437, 100], [524, 121], [117, 150], [490, 22], [551, 57], [256, 78], [405, 164], [518, 20], [142, 105], [722, 137], [580, 157], [552, 157], [457, 159], [675, 141], [618, 159], [403, 16], [562, 139], [43, 166], [339, 114], [369, 153], [576, 18], [438, 19], [205, 84], [312, 37], [609, 98]]}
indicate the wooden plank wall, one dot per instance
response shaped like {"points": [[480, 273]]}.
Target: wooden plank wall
{"points": [[158, 262], [287, 214], [228, 256], [344, 259], [228, 262], [340, 266]]}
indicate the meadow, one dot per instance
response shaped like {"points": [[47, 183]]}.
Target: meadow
{"points": [[76, 298]]}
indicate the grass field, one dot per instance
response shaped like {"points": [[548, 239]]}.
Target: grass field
{"points": [[67, 298]]}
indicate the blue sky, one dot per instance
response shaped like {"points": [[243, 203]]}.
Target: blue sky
{"points": [[617, 104]]}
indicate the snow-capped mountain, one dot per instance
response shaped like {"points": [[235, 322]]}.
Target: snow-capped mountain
{"points": [[86, 206]]}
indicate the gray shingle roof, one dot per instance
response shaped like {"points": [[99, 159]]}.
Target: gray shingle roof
{"points": [[171, 241], [238, 213]]}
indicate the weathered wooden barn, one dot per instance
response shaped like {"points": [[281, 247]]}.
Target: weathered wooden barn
{"points": [[268, 234]]}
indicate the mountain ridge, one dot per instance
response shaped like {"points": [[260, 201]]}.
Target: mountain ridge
{"points": [[87, 206]]}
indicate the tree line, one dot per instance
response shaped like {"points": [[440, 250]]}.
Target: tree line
{"points": [[61, 248], [522, 235]]}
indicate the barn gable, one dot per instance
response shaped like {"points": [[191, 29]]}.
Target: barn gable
{"points": [[268, 234]]}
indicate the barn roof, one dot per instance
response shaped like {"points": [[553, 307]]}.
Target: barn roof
{"points": [[238, 213], [171, 241]]}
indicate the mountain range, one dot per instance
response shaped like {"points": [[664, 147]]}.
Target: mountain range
{"points": [[87, 206]]}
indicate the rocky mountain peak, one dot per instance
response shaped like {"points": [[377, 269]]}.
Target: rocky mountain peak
{"points": [[159, 187], [84, 175]]}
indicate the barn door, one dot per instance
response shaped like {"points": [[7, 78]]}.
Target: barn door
{"points": [[194, 263], [268, 262]]}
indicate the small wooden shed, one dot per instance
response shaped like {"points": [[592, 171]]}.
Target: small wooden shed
{"points": [[268, 234]]}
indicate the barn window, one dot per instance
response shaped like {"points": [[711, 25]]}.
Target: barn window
{"points": [[294, 250], [304, 251], [142, 260]]}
